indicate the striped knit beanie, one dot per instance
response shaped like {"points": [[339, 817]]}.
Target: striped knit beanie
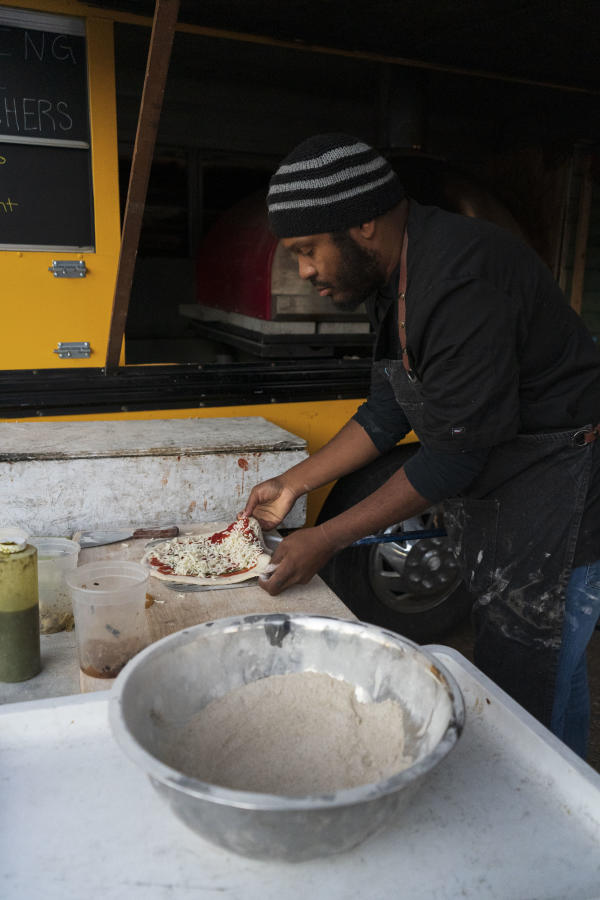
{"points": [[330, 182]]}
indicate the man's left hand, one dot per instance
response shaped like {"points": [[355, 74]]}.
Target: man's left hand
{"points": [[297, 558]]}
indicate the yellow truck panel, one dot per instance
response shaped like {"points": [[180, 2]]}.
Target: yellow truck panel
{"points": [[39, 310]]}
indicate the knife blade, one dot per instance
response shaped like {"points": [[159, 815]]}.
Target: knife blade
{"points": [[99, 538]]}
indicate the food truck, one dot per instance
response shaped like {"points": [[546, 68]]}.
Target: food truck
{"points": [[140, 281]]}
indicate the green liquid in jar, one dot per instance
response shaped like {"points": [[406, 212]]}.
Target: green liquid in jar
{"points": [[19, 616], [20, 644]]}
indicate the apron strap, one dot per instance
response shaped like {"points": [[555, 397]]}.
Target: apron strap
{"points": [[402, 303]]}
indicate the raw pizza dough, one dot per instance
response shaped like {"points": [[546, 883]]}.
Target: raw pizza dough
{"points": [[199, 539]]}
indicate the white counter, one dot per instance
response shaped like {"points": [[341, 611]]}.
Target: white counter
{"points": [[511, 814]]}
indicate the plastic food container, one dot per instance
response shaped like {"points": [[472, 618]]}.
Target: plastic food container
{"points": [[109, 601], [56, 556]]}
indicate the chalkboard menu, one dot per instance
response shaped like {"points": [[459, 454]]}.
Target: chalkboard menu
{"points": [[46, 198]]}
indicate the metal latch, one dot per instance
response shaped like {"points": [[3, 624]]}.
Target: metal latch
{"points": [[68, 268], [73, 349]]}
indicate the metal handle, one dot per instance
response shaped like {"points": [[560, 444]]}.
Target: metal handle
{"points": [[400, 536]]}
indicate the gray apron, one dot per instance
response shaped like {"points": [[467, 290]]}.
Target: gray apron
{"points": [[514, 532]]}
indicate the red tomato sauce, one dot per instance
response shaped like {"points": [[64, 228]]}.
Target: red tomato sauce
{"points": [[163, 568], [219, 536]]}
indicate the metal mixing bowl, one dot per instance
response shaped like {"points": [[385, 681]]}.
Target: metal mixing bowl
{"points": [[173, 679]]}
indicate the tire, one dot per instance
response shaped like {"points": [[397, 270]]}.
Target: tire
{"points": [[411, 587]]}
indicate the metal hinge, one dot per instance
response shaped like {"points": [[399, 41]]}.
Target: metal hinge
{"points": [[73, 349], [68, 268]]}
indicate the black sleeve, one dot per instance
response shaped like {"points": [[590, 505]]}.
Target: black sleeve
{"points": [[437, 475], [381, 416]]}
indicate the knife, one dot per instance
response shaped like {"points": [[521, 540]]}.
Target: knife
{"points": [[87, 539]]}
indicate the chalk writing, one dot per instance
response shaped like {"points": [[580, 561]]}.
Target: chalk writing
{"points": [[57, 46], [43, 84], [32, 114], [38, 45], [45, 166]]}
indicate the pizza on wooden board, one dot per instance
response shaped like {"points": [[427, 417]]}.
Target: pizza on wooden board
{"points": [[235, 553]]}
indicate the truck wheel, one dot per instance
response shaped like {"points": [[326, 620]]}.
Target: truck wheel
{"points": [[411, 587]]}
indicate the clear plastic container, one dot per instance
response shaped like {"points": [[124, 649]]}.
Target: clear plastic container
{"points": [[56, 556], [109, 603]]}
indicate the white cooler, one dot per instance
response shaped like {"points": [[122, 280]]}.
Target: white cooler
{"points": [[57, 478]]}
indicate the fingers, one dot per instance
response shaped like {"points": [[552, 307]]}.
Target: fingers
{"points": [[251, 503], [269, 503], [295, 561], [279, 574], [282, 578], [263, 494], [268, 581], [265, 517]]}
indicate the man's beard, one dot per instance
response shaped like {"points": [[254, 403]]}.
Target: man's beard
{"points": [[360, 272]]}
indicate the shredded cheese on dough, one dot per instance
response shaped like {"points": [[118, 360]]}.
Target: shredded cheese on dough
{"points": [[235, 549]]}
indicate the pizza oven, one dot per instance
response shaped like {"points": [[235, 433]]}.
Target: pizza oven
{"points": [[250, 296]]}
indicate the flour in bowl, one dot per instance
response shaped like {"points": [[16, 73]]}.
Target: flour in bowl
{"points": [[296, 734]]}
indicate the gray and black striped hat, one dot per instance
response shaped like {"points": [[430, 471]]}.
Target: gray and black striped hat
{"points": [[330, 182]]}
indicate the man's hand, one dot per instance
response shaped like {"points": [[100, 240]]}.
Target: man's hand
{"points": [[304, 552], [298, 557], [270, 502]]}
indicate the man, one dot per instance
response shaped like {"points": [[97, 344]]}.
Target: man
{"points": [[477, 351]]}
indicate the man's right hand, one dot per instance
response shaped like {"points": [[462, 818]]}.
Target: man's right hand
{"points": [[270, 502]]}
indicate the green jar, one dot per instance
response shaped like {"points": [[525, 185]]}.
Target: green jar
{"points": [[19, 615]]}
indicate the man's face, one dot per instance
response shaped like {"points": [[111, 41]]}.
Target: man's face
{"points": [[338, 267]]}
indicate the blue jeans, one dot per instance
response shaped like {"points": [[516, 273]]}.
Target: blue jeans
{"points": [[571, 709]]}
